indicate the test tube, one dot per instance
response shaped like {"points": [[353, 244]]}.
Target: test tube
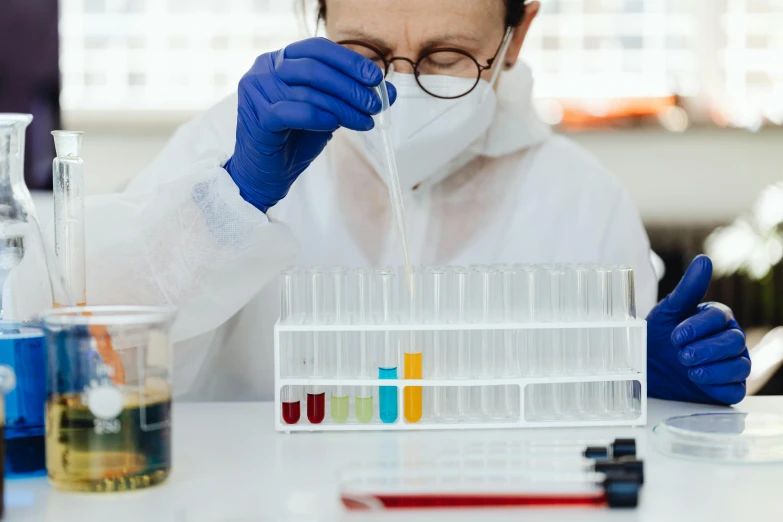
{"points": [[577, 310], [459, 315], [482, 357], [600, 302], [528, 349], [413, 358], [553, 396], [289, 351], [363, 396], [338, 294], [436, 313], [507, 358], [316, 396], [383, 291], [623, 309]]}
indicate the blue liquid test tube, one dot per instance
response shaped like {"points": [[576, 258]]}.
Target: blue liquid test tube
{"points": [[387, 367]]}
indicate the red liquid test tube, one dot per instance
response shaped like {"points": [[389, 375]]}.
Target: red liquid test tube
{"points": [[316, 407], [291, 412]]}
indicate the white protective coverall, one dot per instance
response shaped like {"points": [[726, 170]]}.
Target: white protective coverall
{"points": [[180, 234]]}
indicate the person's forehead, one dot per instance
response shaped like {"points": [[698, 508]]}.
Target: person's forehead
{"points": [[441, 12]]}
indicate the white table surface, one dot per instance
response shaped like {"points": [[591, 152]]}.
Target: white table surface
{"points": [[230, 465]]}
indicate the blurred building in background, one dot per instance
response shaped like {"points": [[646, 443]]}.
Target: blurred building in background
{"points": [[596, 62]]}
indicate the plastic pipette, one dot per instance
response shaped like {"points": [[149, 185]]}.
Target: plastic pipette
{"points": [[382, 124]]}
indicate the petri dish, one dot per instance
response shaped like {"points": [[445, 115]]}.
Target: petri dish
{"points": [[741, 438]]}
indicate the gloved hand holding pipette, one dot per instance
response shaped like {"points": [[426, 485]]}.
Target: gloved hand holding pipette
{"points": [[290, 103], [695, 352]]}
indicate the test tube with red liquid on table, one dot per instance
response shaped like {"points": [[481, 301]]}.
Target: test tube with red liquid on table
{"points": [[316, 349], [290, 396]]}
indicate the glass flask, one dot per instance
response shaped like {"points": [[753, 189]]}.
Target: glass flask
{"points": [[30, 284], [7, 384], [107, 431]]}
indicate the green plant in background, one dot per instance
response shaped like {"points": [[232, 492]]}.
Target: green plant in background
{"points": [[752, 246], [753, 243]]}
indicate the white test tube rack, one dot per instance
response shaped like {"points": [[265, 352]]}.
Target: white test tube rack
{"points": [[625, 386], [634, 377]]}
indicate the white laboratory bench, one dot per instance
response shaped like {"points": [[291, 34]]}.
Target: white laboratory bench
{"points": [[230, 465]]}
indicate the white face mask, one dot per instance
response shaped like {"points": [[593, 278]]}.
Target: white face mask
{"points": [[432, 137]]}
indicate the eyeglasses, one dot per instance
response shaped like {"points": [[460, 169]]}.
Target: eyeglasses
{"points": [[433, 64]]}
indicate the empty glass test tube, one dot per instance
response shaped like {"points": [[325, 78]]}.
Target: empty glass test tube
{"points": [[362, 308], [439, 353], [316, 349], [482, 349], [623, 309], [526, 297], [383, 292], [506, 358], [577, 310], [600, 295], [459, 314], [552, 302]]}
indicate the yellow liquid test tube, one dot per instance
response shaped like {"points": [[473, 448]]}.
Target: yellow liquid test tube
{"points": [[412, 394]]}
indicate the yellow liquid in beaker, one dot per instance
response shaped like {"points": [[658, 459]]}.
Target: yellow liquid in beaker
{"points": [[412, 394], [85, 453]]}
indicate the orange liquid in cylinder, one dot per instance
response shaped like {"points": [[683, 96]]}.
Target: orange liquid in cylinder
{"points": [[412, 394], [105, 348]]}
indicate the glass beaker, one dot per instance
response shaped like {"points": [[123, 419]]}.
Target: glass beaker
{"points": [[30, 283], [102, 435], [7, 384]]}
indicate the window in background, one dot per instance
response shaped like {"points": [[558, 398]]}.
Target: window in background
{"points": [[596, 62], [164, 55]]}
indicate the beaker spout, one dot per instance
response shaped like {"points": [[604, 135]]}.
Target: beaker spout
{"points": [[68, 144]]}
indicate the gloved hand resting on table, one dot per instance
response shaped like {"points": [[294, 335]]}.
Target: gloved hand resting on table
{"points": [[290, 103], [695, 352]]}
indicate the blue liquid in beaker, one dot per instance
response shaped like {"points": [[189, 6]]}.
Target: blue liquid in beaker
{"points": [[387, 396], [24, 350]]}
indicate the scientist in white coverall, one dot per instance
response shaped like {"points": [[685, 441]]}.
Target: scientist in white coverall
{"points": [[289, 172]]}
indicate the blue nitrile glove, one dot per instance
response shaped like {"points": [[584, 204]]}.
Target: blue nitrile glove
{"points": [[695, 352], [290, 103]]}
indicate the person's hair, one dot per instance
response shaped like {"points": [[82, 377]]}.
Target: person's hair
{"points": [[515, 10]]}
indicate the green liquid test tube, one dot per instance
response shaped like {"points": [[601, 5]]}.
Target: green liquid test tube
{"points": [[364, 409], [339, 408]]}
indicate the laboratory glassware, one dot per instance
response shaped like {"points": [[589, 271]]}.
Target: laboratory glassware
{"points": [[386, 343], [378, 489], [291, 299], [317, 346], [413, 357], [103, 436], [501, 346], [382, 124], [7, 383], [362, 310], [30, 283], [731, 437], [69, 224], [69, 234], [337, 296]]}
